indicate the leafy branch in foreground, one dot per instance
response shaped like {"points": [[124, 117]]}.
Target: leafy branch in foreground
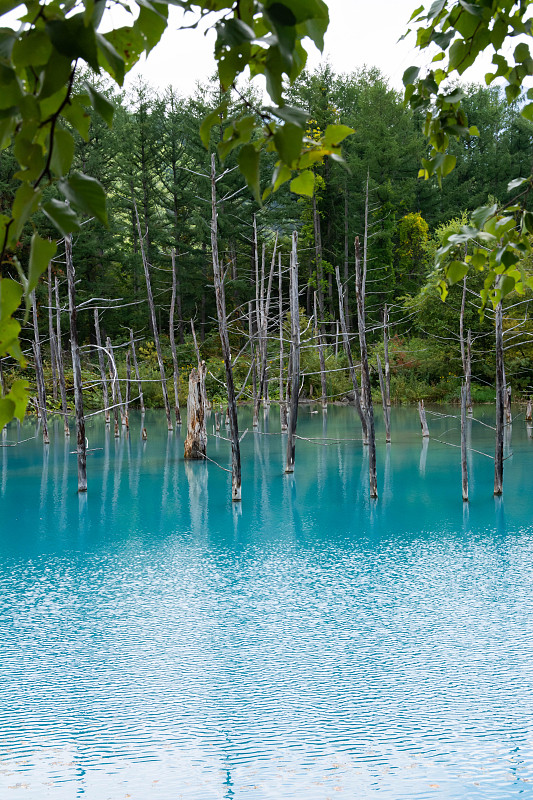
{"points": [[461, 32], [41, 106]]}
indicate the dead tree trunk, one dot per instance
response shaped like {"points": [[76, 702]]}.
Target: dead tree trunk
{"points": [[255, 422], [386, 409], [153, 322], [423, 420], [196, 441], [60, 362], [117, 394], [282, 403], [264, 332], [295, 354], [76, 366], [498, 456], [346, 257], [348, 351], [101, 365], [173, 341], [39, 374], [360, 282], [529, 410], [468, 382], [322, 360], [51, 333], [136, 368], [128, 388], [224, 339], [508, 410], [386, 353], [464, 467]]}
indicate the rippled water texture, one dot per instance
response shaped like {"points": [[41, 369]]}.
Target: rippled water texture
{"points": [[156, 642]]}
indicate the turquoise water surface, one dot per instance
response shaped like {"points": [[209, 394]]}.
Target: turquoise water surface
{"points": [[158, 642]]}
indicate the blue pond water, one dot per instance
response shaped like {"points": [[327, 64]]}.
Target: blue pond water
{"points": [[156, 642]]}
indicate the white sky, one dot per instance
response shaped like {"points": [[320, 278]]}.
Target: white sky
{"points": [[360, 33]]}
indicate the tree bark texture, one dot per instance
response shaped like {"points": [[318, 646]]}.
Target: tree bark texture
{"points": [[76, 365]]}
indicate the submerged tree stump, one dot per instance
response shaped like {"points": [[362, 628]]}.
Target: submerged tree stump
{"points": [[196, 441], [423, 421]]}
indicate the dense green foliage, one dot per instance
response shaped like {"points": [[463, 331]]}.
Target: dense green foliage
{"points": [[154, 155]]}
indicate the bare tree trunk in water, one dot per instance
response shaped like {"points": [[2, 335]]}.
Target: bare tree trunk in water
{"points": [[101, 365], [498, 456], [351, 367], [295, 355], [60, 363], [153, 322], [76, 365], [365, 371], [224, 340], [173, 341], [39, 374]]}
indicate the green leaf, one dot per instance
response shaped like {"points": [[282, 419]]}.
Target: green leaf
{"points": [[290, 114], [7, 411], [288, 141], [25, 204], [41, 253], [249, 166], [516, 183], [18, 394], [448, 164], [482, 214], [335, 134], [473, 130], [212, 119], [32, 49], [86, 194], [62, 152], [101, 104], [527, 111], [152, 23], [109, 59], [78, 117], [10, 297], [410, 75], [304, 183], [61, 216], [456, 271], [74, 39]]}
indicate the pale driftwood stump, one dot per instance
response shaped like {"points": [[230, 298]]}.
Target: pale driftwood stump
{"points": [[196, 441]]}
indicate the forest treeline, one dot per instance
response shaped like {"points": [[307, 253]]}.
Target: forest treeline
{"points": [[153, 159]]}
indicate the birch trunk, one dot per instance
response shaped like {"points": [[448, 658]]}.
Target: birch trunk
{"points": [[468, 383], [101, 365], [76, 366], [498, 456], [423, 420], [128, 388], [60, 363], [51, 333], [224, 340], [360, 283], [323, 382], [386, 353], [464, 467], [117, 394], [196, 441], [348, 351], [173, 341], [295, 355], [386, 409], [153, 322], [282, 403], [39, 375], [136, 368]]}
